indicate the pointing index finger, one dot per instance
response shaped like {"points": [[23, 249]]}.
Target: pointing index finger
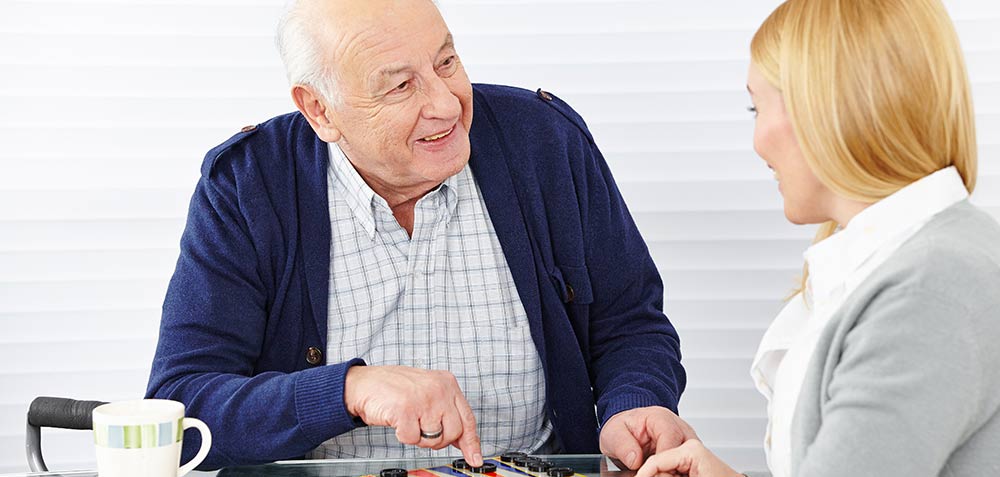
{"points": [[468, 443]]}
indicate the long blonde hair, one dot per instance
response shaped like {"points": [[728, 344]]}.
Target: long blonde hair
{"points": [[876, 91]]}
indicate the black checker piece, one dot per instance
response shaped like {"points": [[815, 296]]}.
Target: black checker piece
{"points": [[508, 457], [486, 468], [560, 472]]}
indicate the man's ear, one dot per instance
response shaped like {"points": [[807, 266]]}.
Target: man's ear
{"points": [[317, 112]]}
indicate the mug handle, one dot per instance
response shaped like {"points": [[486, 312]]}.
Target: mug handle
{"points": [[206, 444]]}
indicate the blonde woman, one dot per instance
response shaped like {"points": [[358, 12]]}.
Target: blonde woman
{"points": [[887, 361]]}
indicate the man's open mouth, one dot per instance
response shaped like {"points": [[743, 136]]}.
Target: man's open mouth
{"points": [[438, 136]]}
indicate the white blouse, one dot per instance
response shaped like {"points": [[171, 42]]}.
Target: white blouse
{"points": [[837, 266]]}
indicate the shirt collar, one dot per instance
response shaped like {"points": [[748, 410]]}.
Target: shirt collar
{"points": [[835, 258], [450, 190], [362, 200], [359, 196]]}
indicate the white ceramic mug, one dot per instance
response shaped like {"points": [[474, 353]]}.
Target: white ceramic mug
{"points": [[144, 437]]}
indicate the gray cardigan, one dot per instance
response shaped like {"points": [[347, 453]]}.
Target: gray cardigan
{"points": [[905, 379]]}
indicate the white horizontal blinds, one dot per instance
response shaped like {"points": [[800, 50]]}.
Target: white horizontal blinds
{"points": [[109, 106], [107, 110]]}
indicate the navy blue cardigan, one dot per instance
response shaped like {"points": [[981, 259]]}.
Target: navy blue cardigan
{"points": [[249, 295]]}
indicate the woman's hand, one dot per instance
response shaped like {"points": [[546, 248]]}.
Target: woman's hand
{"points": [[691, 459]]}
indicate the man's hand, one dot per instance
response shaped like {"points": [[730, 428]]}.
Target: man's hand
{"points": [[427, 408], [632, 436], [691, 459]]}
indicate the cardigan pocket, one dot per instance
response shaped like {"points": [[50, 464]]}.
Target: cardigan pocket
{"points": [[572, 284]]}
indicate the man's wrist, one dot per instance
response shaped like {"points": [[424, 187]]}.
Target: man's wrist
{"points": [[350, 392]]}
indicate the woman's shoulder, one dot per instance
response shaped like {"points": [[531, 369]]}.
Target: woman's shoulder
{"points": [[943, 281], [956, 255]]}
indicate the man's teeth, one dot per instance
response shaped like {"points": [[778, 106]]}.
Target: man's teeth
{"points": [[437, 136]]}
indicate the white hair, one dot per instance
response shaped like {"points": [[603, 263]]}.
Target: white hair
{"points": [[302, 55]]}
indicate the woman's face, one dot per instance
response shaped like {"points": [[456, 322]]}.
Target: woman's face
{"points": [[807, 200]]}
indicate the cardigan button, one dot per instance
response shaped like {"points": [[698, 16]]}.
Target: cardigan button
{"points": [[314, 356], [247, 129], [570, 293], [544, 94]]}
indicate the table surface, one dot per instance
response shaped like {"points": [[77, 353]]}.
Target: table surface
{"points": [[583, 465]]}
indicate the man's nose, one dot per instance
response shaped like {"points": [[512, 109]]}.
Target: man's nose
{"points": [[441, 102]]}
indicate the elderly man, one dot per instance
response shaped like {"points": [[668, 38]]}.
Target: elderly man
{"points": [[410, 262]]}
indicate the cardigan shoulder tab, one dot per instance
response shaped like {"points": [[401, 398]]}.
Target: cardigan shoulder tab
{"points": [[269, 138], [542, 108], [213, 155], [565, 110]]}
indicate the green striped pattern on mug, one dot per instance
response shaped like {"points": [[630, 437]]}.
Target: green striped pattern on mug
{"points": [[139, 436]]}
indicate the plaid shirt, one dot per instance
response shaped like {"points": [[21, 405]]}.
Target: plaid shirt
{"points": [[441, 299]]}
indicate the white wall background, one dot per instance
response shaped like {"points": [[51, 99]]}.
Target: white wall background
{"points": [[107, 108]]}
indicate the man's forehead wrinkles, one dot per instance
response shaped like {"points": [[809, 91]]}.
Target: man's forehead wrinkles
{"points": [[391, 70], [361, 55], [358, 42]]}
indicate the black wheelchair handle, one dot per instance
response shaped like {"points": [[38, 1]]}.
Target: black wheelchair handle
{"points": [[62, 413]]}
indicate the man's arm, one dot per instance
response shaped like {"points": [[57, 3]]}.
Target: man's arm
{"points": [[634, 348], [635, 370], [213, 330], [216, 322]]}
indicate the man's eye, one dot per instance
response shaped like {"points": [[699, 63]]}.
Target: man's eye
{"points": [[401, 87], [448, 64], [752, 109]]}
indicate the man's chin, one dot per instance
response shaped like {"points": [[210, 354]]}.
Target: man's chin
{"points": [[455, 165], [449, 161]]}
